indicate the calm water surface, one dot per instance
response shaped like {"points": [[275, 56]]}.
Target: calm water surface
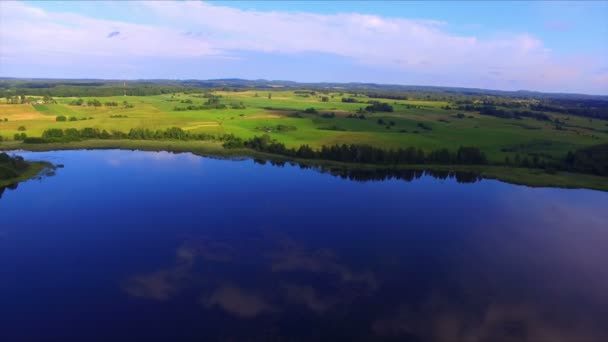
{"points": [[122, 245]]}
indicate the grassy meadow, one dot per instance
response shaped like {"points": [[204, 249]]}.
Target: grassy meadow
{"points": [[282, 114]]}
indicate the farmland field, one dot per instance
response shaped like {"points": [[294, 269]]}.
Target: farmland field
{"points": [[283, 115]]}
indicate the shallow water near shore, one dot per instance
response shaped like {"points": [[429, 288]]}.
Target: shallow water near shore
{"points": [[157, 246]]}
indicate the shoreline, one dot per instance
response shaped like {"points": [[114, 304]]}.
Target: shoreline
{"points": [[512, 175], [34, 170]]}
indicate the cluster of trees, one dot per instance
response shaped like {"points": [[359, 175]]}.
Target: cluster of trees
{"points": [[355, 153], [533, 161], [22, 99], [586, 108], [377, 106], [277, 128], [16, 99], [514, 114], [239, 105], [492, 110], [593, 160], [580, 107], [349, 100], [63, 118], [20, 136], [199, 107], [356, 116], [387, 95], [97, 103], [11, 167], [81, 102], [73, 134], [305, 92], [213, 102], [381, 121]]}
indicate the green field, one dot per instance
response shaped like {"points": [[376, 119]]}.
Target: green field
{"points": [[257, 115], [287, 116]]}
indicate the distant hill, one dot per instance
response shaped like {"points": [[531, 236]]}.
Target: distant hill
{"points": [[38, 83]]}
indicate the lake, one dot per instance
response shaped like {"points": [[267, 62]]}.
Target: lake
{"points": [[129, 245]]}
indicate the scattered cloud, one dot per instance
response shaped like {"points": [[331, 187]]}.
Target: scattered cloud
{"points": [[192, 30], [161, 285], [239, 302]]}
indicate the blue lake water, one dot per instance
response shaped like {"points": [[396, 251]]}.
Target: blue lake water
{"points": [[123, 245]]}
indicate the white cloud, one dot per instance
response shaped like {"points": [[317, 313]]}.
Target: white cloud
{"points": [[200, 30]]}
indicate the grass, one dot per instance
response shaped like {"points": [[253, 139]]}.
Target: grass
{"points": [[498, 138], [490, 134]]}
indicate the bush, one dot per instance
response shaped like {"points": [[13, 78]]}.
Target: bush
{"points": [[20, 136], [34, 140], [60, 118], [21, 128]]}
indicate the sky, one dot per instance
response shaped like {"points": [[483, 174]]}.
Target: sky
{"points": [[536, 45]]}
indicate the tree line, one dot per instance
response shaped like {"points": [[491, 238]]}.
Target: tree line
{"points": [[357, 153], [592, 160], [491, 110], [101, 91], [73, 134], [586, 108]]}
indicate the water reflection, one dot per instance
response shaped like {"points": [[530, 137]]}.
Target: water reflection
{"points": [[290, 272], [176, 248], [118, 159], [381, 173], [286, 282], [9, 187]]}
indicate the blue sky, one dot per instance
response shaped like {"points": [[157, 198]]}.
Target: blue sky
{"points": [[547, 46]]}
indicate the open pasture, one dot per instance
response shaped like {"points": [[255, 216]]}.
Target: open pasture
{"points": [[313, 118]]}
